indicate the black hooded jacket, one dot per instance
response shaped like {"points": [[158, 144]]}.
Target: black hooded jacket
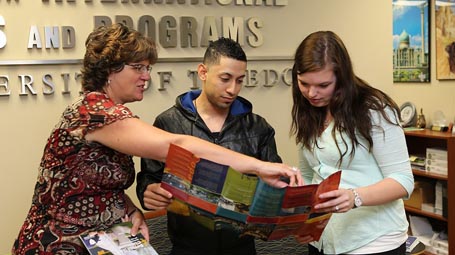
{"points": [[244, 132]]}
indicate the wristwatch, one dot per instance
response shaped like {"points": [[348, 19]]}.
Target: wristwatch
{"points": [[357, 198]]}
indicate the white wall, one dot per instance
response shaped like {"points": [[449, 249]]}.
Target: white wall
{"points": [[26, 121]]}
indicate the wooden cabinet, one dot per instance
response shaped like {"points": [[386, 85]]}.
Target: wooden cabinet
{"points": [[418, 142]]}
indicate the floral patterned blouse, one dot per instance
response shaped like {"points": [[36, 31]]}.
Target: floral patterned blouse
{"points": [[80, 185]]}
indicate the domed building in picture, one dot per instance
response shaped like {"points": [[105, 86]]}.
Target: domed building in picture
{"points": [[411, 60], [409, 63]]}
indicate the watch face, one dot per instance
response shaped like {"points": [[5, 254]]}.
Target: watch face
{"points": [[357, 201]]}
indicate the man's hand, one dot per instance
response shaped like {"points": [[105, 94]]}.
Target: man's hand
{"points": [[156, 198]]}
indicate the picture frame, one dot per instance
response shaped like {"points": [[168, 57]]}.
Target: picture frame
{"points": [[411, 41], [408, 114], [445, 39]]}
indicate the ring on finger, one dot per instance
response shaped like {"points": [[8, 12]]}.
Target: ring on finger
{"points": [[337, 208]]}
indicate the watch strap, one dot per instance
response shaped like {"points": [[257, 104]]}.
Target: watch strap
{"points": [[357, 199]]}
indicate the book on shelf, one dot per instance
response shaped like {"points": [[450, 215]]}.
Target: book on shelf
{"points": [[440, 204], [436, 169], [437, 162], [117, 240], [438, 166], [436, 153], [217, 196], [417, 160]]}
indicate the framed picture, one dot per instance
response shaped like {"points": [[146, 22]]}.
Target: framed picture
{"points": [[445, 39], [411, 43]]}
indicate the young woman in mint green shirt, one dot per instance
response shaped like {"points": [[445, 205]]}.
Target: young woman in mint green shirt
{"points": [[343, 123]]}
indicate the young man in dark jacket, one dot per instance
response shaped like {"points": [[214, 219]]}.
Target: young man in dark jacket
{"points": [[217, 114]]}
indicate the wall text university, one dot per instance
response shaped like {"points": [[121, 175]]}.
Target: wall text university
{"points": [[66, 83], [192, 2]]}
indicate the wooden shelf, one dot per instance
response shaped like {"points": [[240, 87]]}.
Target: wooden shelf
{"points": [[430, 134], [423, 173], [418, 142], [425, 213]]}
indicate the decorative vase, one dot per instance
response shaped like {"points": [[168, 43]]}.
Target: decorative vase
{"points": [[421, 123]]}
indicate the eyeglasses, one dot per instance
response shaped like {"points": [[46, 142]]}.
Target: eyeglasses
{"points": [[140, 68]]}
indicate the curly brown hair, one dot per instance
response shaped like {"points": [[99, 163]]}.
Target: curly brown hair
{"points": [[108, 49]]}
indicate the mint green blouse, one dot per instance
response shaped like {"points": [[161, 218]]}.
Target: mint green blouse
{"points": [[389, 159]]}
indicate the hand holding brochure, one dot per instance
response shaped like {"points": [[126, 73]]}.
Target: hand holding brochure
{"points": [[117, 241], [218, 196]]}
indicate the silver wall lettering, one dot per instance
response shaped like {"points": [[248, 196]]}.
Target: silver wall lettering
{"points": [[2, 34], [233, 27], [178, 1], [270, 77], [147, 26], [165, 78], [101, 21], [194, 78], [188, 26], [244, 2], [168, 33], [193, 2], [77, 76], [4, 90], [281, 2], [26, 83], [47, 81], [34, 38], [251, 78], [261, 2], [266, 2], [224, 2], [51, 37], [187, 30], [256, 39], [127, 20], [286, 76], [209, 31], [68, 37], [66, 79]]}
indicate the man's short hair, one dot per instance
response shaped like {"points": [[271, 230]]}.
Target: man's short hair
{"points": [[225, 47]]}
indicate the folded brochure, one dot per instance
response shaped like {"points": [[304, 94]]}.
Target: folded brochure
{"points": [[217, 196]]}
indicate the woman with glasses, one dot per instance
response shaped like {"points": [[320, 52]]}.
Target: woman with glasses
{"points": [[87, 162]]}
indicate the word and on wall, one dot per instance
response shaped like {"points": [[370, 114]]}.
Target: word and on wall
{"points": [[168, 31]]}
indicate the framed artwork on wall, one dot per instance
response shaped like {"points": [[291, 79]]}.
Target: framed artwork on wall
{"points": [[411, 43], [445, 39]]}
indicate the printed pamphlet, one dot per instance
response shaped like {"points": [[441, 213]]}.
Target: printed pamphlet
{"points": [[217, 196], [117, 241]]}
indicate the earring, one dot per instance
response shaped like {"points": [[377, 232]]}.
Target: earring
{"points": [[109, 81]]}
